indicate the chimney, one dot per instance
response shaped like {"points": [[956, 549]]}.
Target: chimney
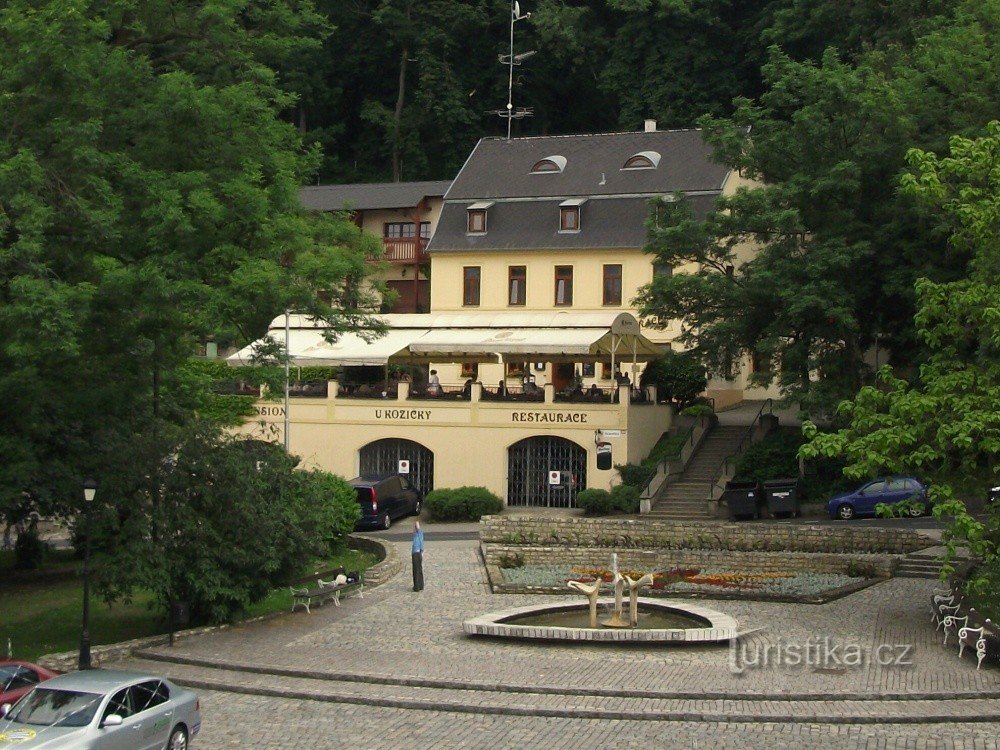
{"points": [[650, 126]]}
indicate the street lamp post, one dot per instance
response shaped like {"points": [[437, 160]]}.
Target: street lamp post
{"points": [[89, 490]]}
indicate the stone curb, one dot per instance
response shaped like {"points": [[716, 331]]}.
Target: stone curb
{"points": [[388, 566], [492, 687], [588, 713]]}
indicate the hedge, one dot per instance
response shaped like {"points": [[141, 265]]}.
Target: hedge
{"points": [[461, 504]]}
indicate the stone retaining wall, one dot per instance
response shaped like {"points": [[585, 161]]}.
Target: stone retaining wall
{"points": [[498, 556], [624, 534], [663, 545]]}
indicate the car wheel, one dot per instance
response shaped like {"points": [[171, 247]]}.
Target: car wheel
{"points": [[845, 512], [416, 508], [915, 511], [387, 522], [178, 739]]}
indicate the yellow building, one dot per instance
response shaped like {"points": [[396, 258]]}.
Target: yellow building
{"points": [[531, 352]]}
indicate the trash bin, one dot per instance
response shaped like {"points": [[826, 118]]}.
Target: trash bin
{"points": [[743, 499], [782, 497]]}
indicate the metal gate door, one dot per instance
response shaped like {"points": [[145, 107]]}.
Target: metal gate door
{"points": [[383, 456], [529, 462]]}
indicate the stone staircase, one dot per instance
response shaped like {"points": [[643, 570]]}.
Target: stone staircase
{"points": [[921, 564], [686, 499]]}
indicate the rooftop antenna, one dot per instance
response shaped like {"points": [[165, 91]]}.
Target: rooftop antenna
{"points": [[510, 61]]}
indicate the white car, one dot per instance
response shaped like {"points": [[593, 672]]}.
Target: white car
{"points": [[100, 709]]}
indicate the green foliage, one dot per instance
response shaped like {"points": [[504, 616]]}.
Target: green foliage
{"points": [[945, 427], [148, 199], [622, 498], [678, 377], [462, 504], [595, 502], [625, 498], [776, 457], [698, 410], [829, 139], [29, 550], [636, 475], [220, 525]]}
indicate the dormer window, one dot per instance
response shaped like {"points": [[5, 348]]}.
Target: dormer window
{"points": [[569, 215], [549, 165], [643, 160], [477, 217]]}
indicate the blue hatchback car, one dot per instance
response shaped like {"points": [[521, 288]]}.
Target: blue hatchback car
{"points": [[887, 490]]}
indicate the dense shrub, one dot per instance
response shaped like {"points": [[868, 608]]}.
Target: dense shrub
{"points": [[776, 457], [697, 410], [29, 550], [595, 502], [636, 475], [461, 504], [623, 498]]}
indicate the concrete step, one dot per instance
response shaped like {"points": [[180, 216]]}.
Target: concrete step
{"points": [[527, 700]]}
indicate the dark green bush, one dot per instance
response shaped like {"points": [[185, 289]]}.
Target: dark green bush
{"points": [[636, 475], [595, 502], [29, 550], [776, 457], [462, 504], [622, 499], [625, 498]]}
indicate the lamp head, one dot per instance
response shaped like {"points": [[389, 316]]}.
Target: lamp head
{"points": [[89, 489]]}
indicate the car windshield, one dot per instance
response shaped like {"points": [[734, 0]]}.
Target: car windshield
{"points": [[6, 675], [48, 708]]}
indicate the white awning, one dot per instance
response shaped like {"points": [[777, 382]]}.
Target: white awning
{"points": [[466, 336], [307, 347], [532, 343]]}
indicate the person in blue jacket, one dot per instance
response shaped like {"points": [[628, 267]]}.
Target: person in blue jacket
{"points": [[418, 557]]}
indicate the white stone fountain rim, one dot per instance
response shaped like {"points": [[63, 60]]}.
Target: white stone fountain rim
{"points": [[722, 628]]}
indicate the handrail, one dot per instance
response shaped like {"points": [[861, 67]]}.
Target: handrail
{"points": [[667, 459], [724, 465]]}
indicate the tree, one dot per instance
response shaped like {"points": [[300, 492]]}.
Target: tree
{"points": [[148, 198], [837, 247], [233, 520], [678, 377], [944, 427]]}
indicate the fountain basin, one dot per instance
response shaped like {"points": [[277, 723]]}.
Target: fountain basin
{"points": [[707, 625]]}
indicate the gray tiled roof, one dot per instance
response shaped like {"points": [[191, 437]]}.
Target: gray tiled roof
{"points": [[498, 168], [369, 196], [604, 223]]}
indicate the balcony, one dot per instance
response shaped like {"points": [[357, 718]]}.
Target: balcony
{"points": [[404, 249]]}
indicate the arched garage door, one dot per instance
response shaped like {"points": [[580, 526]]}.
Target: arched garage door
{"points": [[529, 462], [383, 456]]}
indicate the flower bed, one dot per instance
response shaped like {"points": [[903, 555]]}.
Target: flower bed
{"points": [[704, 581]]}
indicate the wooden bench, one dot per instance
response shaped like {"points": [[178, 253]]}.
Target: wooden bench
{"points": [[322, 586]]}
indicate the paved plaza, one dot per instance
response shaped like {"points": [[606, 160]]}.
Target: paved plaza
{"points": [[394, 670]]}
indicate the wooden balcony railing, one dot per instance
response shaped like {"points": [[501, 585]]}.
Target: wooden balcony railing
{"points": [[404, 249]]}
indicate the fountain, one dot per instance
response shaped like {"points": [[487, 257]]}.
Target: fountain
{"points": [[661, 622]]}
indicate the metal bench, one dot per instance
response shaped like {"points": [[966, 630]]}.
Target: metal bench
{"points": [[985, 640], [323, 590]]}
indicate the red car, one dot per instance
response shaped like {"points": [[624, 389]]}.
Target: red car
{"points": [[18, 677]]}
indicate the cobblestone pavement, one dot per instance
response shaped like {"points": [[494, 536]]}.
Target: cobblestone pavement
{"points": [[395, 670]]}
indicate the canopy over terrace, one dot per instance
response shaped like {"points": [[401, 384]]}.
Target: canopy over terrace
{"points": [[466, 337]]}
